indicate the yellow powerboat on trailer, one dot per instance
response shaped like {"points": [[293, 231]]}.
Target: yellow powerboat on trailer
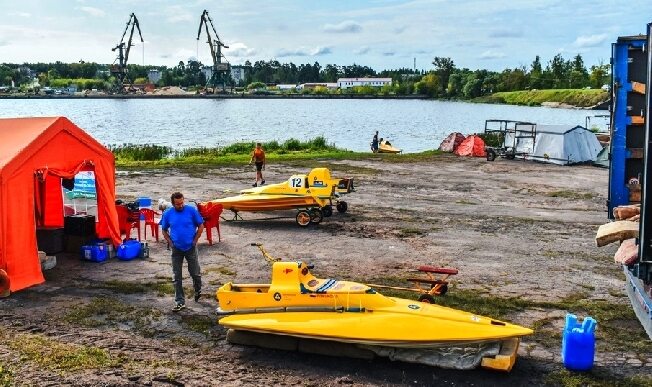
{"points": [[300, 312], [312, 195]]}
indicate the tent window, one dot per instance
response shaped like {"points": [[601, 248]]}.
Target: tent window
{"points": [[81, 198]]}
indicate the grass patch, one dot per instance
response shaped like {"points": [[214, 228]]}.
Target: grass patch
{"points": [[6, 376], [410, 232], [59, 356], [594, 378], [199, 324], [575, 97], [305, 157], [161, 288], [466, 202], [222, 270], [567, 194], [111, 312]]}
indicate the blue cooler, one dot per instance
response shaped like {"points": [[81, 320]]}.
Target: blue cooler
{"points": [[578, 343], [95, 253], [144, 202], [128, 250]]}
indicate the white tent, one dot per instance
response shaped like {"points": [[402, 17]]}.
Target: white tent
{"points": [[559, 144]]}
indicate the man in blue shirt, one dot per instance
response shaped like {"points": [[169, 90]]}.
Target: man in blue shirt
{"points": [[182, 226]]}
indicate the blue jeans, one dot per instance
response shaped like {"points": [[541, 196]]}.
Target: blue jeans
{"points": [[193, 269]]}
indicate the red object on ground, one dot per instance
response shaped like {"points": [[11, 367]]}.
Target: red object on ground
{"points": [[35, 155], [438, 270], [450, 143], [148, 216], [471, 146], [211, 213], [127, 222]]}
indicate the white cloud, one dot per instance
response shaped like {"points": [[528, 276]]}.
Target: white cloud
{"points": [[239, 50], [176, 14], [504, 33], [303, 51], [343, 27], [590, 41], [389, 53], [362, 50], [93, 11], [492, 54], [20, 14], [321, 51], [399, 30]]}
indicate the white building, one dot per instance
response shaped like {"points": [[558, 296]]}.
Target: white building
{"points": [[154, 75], [312, 85], [208, 72], [346, 83], [238, 73], [288, 86]]}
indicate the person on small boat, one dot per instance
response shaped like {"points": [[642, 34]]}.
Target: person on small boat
{"points": [[374, 143], [182, 226], [258, 157]]}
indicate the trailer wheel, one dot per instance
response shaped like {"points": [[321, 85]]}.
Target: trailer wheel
{"points": [[510, 156], [303, 218], [342, 207], [327, 211], [443, 289], [316, 215], [491, 155], [427, 298]]}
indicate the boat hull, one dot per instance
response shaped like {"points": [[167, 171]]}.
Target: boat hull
{"points": [[405, 324], [254, 203]]}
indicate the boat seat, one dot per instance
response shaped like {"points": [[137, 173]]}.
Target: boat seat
{"points": [[438, 270], [331, 286]]}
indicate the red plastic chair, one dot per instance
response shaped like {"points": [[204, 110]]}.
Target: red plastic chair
{"points": [[126, 221], [212, 219], [148, 215]]}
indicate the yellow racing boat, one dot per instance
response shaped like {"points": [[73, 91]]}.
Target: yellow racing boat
{"points": [[300, 306], [386, 147], [312, 195]]}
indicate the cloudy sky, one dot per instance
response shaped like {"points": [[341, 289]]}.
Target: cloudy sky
{"points": [[491, 34]]}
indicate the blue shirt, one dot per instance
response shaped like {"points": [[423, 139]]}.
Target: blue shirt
{"points": [[182, 226]]}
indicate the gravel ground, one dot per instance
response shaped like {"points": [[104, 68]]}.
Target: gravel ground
{"points": [[512, 228]]}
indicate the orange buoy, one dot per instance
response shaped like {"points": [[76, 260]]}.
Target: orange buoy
{"points": [[4, 284]]}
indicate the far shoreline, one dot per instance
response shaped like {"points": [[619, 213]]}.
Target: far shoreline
{"points": [[218, 96]]}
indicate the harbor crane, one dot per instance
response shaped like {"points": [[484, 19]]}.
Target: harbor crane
{"points": [[221, 66], [119, 69]]}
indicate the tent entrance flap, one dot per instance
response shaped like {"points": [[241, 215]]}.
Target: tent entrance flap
{"points": [[48, 201]]}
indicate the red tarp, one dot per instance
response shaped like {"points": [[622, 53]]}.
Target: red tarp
{"points": [[451, 142], [35, 154], [471, 146]]}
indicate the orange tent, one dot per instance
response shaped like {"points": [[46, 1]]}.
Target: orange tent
{"points": [[35, 154], [471, 146]]}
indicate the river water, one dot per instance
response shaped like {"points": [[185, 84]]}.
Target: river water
{"points": [[413, 125]]}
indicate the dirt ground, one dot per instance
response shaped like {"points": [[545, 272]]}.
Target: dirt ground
{"points": [[514, 229]]}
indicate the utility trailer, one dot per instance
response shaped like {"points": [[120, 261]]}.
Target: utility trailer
{"points": [[514, 138]]}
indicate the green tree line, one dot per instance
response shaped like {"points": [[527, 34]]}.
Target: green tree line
{"points": [[444, 80]]}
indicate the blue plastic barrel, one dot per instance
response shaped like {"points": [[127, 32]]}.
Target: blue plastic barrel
{"points": [[578, 343]]}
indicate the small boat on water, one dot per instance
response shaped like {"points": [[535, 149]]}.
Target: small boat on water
{"points": [[297, 306], [312, 195], [386, 147]]}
